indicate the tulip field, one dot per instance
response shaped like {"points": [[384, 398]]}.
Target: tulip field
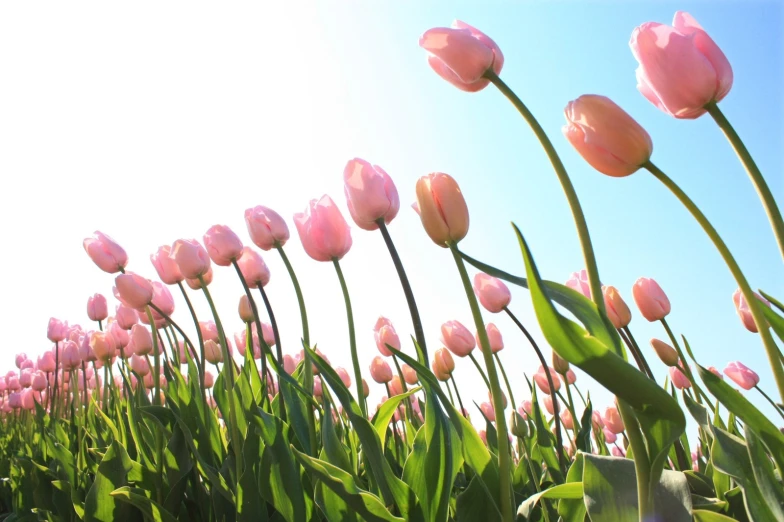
{"points": [[139, 412]]}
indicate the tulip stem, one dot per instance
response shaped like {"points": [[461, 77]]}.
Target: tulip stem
{"points": [[202, 360], [53, 398], [459, 400], [351, 337], [754, 304], [757, 179], [419, 332], [504, 464], [639, 352], [259, 330], [642, 364], [568, 188], [506, 380], [479, 369], [642, 464], [775, 406]]}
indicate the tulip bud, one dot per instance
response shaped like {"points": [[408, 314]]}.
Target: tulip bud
{"points": [[97, 308], [133, 290], [457, 338], [560, 364], [370, 193], [742, 375], [245, 310], [266, 227], [493, 294], [744, 312], [650, 299], [105, 252], [678, 378], [443, 210], [409, 374], [384, 334], [617, 310], [222, 245], [324, 233], [519, 425], [666, 353]]}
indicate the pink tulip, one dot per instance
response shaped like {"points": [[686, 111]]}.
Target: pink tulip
{"points": [[370, 194], [140, 365], [15, 401], [28, 399], [681, 68], [618, 452], [25, 378], [27, 364], [461, 55], [344, 376], [650, 299], [105, 252], [120, 336], [57, 330], [715, 372], [246, 310], [212, 352], [223, 245], [96, 308], [163, 300], [19, 359], [578, 282], [70, 358], [317, 391], [457, 338], [324, 233], [606, 136], [380, 370], [191, 258], [86, 352], [612, 420], [209, 379], [140, 340], [253, 268], [569, 377], [126, 317], [385, 334], [742, 375], [666, 353], [566, 420], [46, 362], [617, 310], [166, 266], [679, 380], [609, 437], [744, 312], [195, 284], [289, 366], [209, 330], [483, 436], [494, 336], [525, 408], [39, 381], [103, 345], [540, 378], [266, 228], [409, 375], [442, 208], [133, 290], [549, 404], [395, 386], [488, 411], [596, 420], [493, 294], [13, 382]]}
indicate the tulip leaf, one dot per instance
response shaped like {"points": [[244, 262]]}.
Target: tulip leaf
{"points": [[333, 449], [386, 411], [573, 510], [136, 497], [112, 474], [570, 490], [583, 439], [774, 320], [702, 515], [764, 475]]}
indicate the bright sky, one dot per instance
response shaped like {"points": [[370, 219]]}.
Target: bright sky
{"points": [[153, 121]]}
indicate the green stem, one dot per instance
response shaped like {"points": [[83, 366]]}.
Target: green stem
{"points": [[259, 330], [457, 392], [156, 355], [648, 370], [775, 406], [504, 464], [757, 179], [754, 305], [351, 337], [479, 369], [642, 465], [506, 380], [202, 360], [571, 408], [698, 393], [568, 188], [53, 398], [641, 364]]}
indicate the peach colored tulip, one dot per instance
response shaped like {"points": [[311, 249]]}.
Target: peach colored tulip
{"points": [[443, 210], [324, 233], [133, 290], [443, 364], [56, 330], [715, 372], [605, 136], [253, 268], [409, 375], [488, 411], [578, 282], [344, 376], [650, 299], [493, 294], [245, 310], [97, 309], [209, 379], [380, 370], [617, 310], [266, 227], [126, 317], [103, 345], [744, 312], [494, 336], [666, 353], [385, 334], [365, 388], [212, 352], [461, 54], [681, 68], [195, 284], [742, 375], [540, 378], [370, 194], [395, 386], [191, 258], [548, 404], [679, 380], [457, 338], [105, 252], [566, 420], [166, 266], [612, 420], [222, 244]]}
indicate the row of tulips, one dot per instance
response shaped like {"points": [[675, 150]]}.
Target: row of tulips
{"points": [[179, 428]]}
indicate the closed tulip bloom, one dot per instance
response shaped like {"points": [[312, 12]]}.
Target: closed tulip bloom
{"points": [[666, 353], [105, 252], [380, 370], [488, 411], [548, 404], [560, 365], [612, 420], [266, 227], [241, 340], [324, 233], [212, 352], [444, 362], [195, 284], [13, 382], [494, 336], [120, 336], [461, 55], [97, 309], [744, 312], [679, 380], [133, 290], [650, 299], [715, 372], [70, 357], [618, 452], [19, 359], [245, 310], [385, 334], [365, 389], [141, 339], [27, 364], [289, 364], [191, 258], [370, 194], [681, 68], [209, 330], [578, 282], [609, 437], [395, 386], [617, 310], [223, 245], [493, 294], [344, 376], [597, 421], [125, 317], [46, 362], [605, 136], [409, 375], [209, 379], [28, 399], [39, 381], [566, 420], [442, 209], [140, 365], [166, 266], [253, 268], [103, 345], [25, 378], [457, 338], [569, 377], [742, 375], [56, 330], [525, 408], [317, 391], [86, 352], [540, 378]]}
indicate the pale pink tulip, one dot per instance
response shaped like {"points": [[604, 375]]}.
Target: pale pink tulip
{"points": [[578, 282], [195, 284], [266, 228], [618, 452], [494, 336], [540, 378], [612, 420], [324, 233], [679, 380], [650, 299], [715, 372], [97, 309], [442, 208], [166, 266], [140, 340], [289, 366], [105, 253], [223, 245], [380, 370], [39, 381], [370, 194], [385, 334], [457, 338], [548, 404], [493, 294], [566, 419], [126, 317], [120, 336], [666, 353], [56, 330], [744, 312], [569, 377], [70, 358], [133, 290], [209, 330], [246, 310], [212, 352], [19, 359], [46, 362], [254, 269], [344, 376], [191, 258], [395, 386], [25, 378], [443, 364], [742, 375], [525, 408], [609, 437], [488, 411], [140, 365]]}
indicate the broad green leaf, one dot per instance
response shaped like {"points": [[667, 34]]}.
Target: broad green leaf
{"points": [[333, 449], [774, 320], [571, 510], [570, 490], [387, 410], [472, 504], [698, 412], [112, 474], [701, 515], [151, 509], [699, 484], [583, 438], [708, 504], [250, 505], [769, 487]]}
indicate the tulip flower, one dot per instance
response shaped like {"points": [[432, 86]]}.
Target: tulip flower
{"points": [[461, 55], [409, 375], [39, 381], [97, 309], [650, 299], [70, 357], [612, 420], [245, 310], [679, 380], [744, 312], [618, 452], [715, 372], [494, 336], [442, 209], [120, 336], [605, 136], [19, 359], [609, 437], [370, 194], [384, 334], [493, 294], [666, 353], [596, 420], [209, 379], [324, 233], [540, 378], [209, 330], [140, 340], [560, 365], [380, 370], [569, 377], [86, 352], [395, 386], [223, 245], [191, 258], [125, 317], [548, 404], [488, 411], [617, 310], [56, 330], [195, 284], [457, 338], [567, 420], [344, 376], [133, 290], [103, 345], [140, 365], [266, 227], [46, 362], [578, 282], [681, 68], [166, 266], [742, 375], [253, 268], [212, 352], [105, 253], [443, 364]]}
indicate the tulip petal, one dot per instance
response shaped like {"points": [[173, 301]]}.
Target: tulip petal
{"points": [[465, 55]]}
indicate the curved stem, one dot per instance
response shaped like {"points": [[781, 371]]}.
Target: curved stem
{"points": [[775, 406], [506, 380], [638, 358], [157, 356], [568, 188], [754, 305], [504, 454], [419, 332], [257, 322], [275, 334], [201, 361], [457, 392], [648, 370], [757, 179], [351, 337], [479, 369]]}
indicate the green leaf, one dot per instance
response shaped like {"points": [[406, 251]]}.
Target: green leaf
{"points": [[571, 510], [387, 410], [472, 504], [571, 490], [250, 505], [769, 487], [698, 412], [701, 515], [151, 509], [363, 503], [112, 474], [333, 449], [774, 320], [610, 487], [583, 439]]}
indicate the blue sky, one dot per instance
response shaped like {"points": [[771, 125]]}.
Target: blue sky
{"points": [[156, 122]]}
